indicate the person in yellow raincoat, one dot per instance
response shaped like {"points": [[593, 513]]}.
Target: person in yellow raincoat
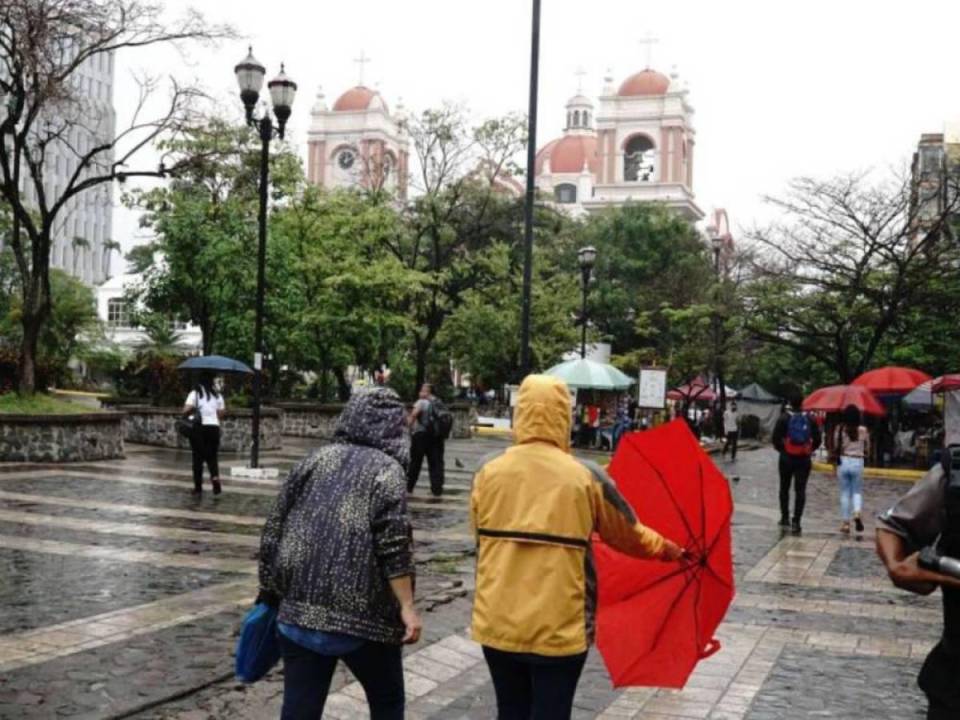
{"points": [[534, 508]]}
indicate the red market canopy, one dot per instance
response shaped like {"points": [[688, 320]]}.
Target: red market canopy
{"points": [[656, 620], [697, 390], [837, 397], [892, 380]]}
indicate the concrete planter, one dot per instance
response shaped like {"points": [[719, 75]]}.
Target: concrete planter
{"points": [[149, 425], [316, 420], [61, 438]]}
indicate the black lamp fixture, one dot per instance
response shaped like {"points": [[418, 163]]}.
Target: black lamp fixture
{"points": [[587, 257]]}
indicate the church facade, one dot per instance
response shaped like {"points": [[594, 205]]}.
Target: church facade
{"points": [[637, 146], [358, 142]]}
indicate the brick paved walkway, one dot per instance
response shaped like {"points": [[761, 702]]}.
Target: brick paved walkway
{"points": [[120, 596]]}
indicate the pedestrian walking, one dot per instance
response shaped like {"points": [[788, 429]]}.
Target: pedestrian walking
{"points": [[851, 448], [796, 437], [336, 560], [427, 440], [534, 509], [207, 402], [731, 431]]}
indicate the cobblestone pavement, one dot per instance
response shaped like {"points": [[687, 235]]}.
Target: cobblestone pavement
{"points": [[120, 596]]}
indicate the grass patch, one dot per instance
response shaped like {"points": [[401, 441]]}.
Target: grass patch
{"points": [[40, 404]]}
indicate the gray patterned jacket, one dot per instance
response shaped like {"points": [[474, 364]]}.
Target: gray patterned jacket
{"points": [[339, 529]]}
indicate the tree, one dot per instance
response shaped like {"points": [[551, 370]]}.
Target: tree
{"points": [[850, 264], [460, 216], [200, 265], [44, 47], [344, 297], [652, 296]]}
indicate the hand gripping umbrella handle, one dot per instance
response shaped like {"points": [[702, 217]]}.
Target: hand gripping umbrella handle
{"points": [[712, 647]]}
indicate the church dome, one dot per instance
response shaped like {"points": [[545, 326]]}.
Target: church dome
{"points": [[569, 154], [645, 82], [358, 99]]}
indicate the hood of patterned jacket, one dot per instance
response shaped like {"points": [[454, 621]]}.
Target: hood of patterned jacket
{"points": [[543, 412], [375, 417]]}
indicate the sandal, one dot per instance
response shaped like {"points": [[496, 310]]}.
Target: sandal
{"points": [[845, 528]]}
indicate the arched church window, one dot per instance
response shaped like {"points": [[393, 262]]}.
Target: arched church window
{"points": [[565, 194], [586, 119], [569, 119], [639, 160], [576, 118]]}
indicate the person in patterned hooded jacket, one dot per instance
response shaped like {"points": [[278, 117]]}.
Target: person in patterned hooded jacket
{"points": [[336, 560]]}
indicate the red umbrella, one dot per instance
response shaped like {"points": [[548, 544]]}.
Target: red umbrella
{"points": [[892, 380], [656, 620], [946, 383], [836, 397], [694, 391]]}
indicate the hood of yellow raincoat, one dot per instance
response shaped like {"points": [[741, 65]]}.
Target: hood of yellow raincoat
{"points": [[543, 412]]}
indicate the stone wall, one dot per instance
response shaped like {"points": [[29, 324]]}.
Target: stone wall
{"points": [[317, 420], [61, 438], [149, 425]]}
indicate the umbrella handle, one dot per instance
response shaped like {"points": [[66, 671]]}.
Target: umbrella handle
{"points": [[712, 647]]}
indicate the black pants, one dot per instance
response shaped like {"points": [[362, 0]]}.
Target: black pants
{"points": [[205, 448], [793, 470], [534, 687], [731, 443], [424, 445], [307, 676]]}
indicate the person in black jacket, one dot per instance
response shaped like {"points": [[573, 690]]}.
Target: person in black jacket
{"points": [[336, 559], [796, 437]]}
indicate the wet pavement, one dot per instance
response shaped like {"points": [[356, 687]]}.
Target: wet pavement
{"points": [[120, 596]]}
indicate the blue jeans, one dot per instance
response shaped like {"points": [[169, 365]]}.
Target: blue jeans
{"points": [[850, 474], [307, 676]]}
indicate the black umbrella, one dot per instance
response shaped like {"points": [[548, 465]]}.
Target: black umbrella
{"points": [[216, 363]]}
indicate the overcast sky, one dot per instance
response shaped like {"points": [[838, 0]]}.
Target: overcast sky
{"points": [[780, 89]]}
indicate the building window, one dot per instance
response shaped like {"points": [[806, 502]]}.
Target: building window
{"points": [[931, 160], [565, 194], [118, 313], [576, 118], [638, 160]]}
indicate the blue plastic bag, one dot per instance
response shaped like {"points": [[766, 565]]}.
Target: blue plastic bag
{"points": [[258, 648]]}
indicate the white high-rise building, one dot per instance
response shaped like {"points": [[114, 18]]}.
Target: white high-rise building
{"points": [[85, 224]]}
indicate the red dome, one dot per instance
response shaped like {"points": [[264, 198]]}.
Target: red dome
{"points": [[354, 99], [568, 154], [645, 82]]}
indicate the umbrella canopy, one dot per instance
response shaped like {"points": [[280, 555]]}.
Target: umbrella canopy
{"points": [[697, 390], [892, 380], [216, 363], [590, 375], [836, 397], [756, 393], [920, 397], [946, 383], [656, 620]]}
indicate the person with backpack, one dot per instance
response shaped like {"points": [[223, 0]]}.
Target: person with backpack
{"points": [[796, 437], [430, 425]]}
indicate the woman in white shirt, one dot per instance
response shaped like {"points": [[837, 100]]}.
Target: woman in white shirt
{"points": [[851, 446], [205, 444]]}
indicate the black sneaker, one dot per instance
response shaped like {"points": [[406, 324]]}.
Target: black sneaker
{"points": [[784, 521], [217, 489], [858, 524], [795, 526]]}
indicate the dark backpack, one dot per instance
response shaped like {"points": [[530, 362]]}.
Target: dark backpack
{"points": [[439, 420], [799, 438]]}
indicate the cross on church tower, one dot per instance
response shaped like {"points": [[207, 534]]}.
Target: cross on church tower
{"points": [[580, 73], [649, 41], [361, 61]]}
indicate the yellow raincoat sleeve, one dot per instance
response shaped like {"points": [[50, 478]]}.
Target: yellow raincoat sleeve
{"points": [[616, 522]]}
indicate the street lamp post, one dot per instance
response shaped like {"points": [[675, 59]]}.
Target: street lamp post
{"points": [[250, 75], [716, 243], [588, 258]]}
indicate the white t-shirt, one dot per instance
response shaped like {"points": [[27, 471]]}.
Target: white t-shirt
{"points": [[730, 421], [209, 405]]}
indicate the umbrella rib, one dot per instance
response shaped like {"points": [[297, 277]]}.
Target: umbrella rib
{"points": [[663, 481], [674, 605], [703, 509]]}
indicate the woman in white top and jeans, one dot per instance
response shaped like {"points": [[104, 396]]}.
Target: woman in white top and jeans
{"points": [[851, 446], [205, 444]]}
